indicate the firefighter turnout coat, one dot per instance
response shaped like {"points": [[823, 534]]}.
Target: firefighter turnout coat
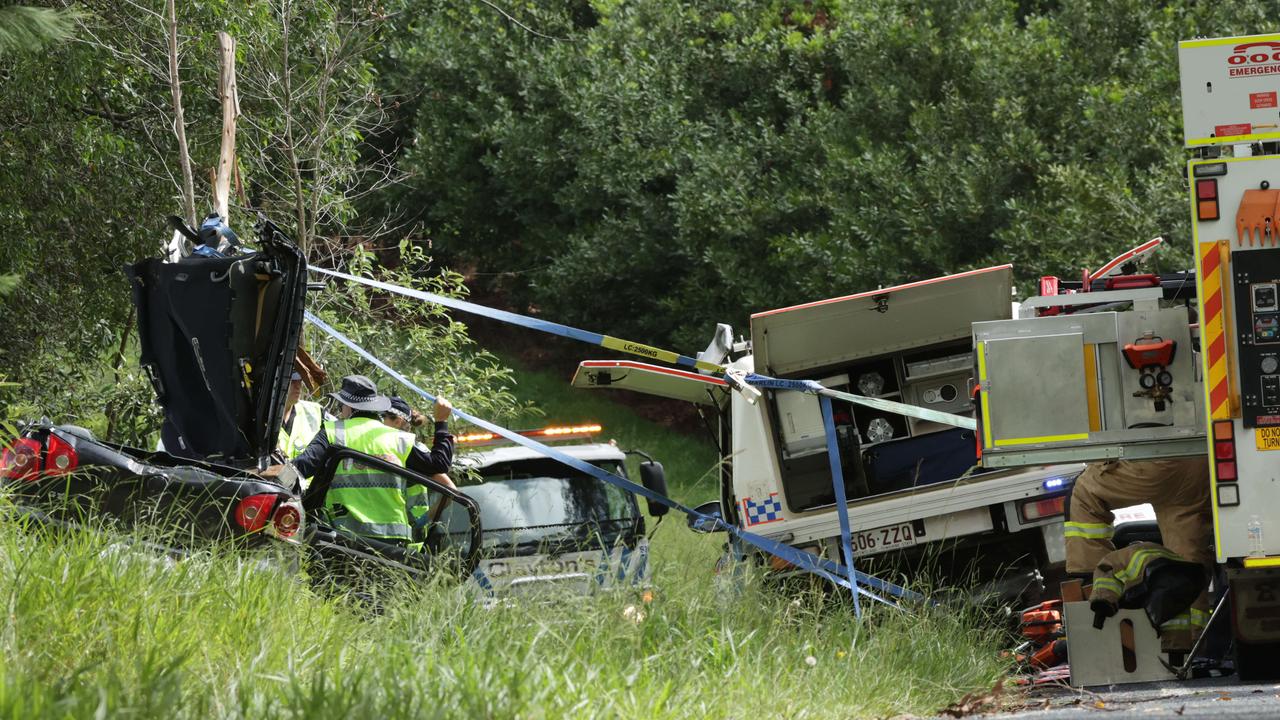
{"points": [[1178, 491]]}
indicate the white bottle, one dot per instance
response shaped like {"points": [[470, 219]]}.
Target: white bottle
{"points": [[1254, 529]]}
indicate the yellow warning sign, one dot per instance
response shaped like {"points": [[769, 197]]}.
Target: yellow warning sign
{"points": [[1268, 438]]}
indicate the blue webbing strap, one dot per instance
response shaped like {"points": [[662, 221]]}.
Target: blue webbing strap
{"points": [[647, 351], [822, 567], [842, 503]]}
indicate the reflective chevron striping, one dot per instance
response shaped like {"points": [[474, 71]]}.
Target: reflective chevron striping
{"points": [[1213, 330]]}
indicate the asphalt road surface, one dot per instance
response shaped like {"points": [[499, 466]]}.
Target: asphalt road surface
{"points": [[1209, 697]]}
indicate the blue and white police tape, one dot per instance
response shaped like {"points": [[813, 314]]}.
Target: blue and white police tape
{"points": [[653, 353], [831, 571]]}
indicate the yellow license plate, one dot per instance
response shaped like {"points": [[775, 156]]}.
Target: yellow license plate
{"points": [[1267, 438]]}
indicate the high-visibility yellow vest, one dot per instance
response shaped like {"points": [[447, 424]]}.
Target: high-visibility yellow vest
{"points": [[364, 500], [307, 417]]}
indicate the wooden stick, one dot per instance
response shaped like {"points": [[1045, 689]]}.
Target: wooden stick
{"points": [[179, 124], [230, 111]]}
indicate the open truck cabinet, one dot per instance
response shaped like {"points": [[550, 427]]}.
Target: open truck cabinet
{"points": [[908, 481], [1229, 94]]}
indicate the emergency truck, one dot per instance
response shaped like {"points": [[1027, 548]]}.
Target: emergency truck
{"points": [[549, 529], [1232, 123], [914, 491], [1132, 378]]}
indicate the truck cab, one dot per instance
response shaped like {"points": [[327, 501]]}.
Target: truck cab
{"points": [[550, 529], [911, 481]]}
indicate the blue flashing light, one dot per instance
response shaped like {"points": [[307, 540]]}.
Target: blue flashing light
{"points": [[1056, 483]]}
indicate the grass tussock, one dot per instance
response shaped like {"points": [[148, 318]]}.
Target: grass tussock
{"points": [[95, 628]]}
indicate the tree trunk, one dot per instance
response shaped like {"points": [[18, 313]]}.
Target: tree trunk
{"points": [[179, 123], [291, 146], [230, 111]]}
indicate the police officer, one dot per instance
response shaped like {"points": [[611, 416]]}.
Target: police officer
{"points": [[361, 500], [404, 418], [302, 420]]}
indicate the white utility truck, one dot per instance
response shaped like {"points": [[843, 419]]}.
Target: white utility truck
{"points": [[914, 492], [548, 529]]}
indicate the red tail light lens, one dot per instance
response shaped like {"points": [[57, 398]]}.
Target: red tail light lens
{"points": [[287, 521], [21, 460], [1041, 509], [1227, 471], [61, 458], [1224, 450], [254, 512]]}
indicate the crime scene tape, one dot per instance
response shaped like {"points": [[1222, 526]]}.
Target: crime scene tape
{"points": [[836, 573], [653, 353]]}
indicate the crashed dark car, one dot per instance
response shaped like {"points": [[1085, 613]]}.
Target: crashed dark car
{"points": [[218, 337]]}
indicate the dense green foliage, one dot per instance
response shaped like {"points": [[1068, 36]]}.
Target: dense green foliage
{"points": [[92, 627], [641, 167], [655, 167], [89, 172]]}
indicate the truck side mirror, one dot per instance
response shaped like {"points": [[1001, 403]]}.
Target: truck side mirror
{"points": [[654, 478], [702, 525]]}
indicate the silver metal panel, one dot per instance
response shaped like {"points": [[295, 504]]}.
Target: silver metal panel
{"points": [[1130, 427], [1180, 409], [1109, 385], [831, 332], [1091, 452], [1035, 387], [1096, 328], [1097, 656], [1093, 298], [1229, 89]]}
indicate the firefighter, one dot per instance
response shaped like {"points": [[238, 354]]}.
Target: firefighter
{"points": [[1150, 576], [1178, 490], [359, 501]]}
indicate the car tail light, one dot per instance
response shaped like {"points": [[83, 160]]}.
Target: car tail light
{"points": [[286, 523], [254, 512], [1224, 450], [21, 460], [1041, 509], [61, 457]]}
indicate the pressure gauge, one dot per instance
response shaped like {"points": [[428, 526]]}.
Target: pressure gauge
{"points": [[1270, 364], [879, 430], [871, 383]]}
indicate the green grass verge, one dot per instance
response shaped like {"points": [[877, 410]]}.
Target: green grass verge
{"points": [[91, 629]]}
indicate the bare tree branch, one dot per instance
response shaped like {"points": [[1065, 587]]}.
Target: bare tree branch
{"points": [[179, 123]]}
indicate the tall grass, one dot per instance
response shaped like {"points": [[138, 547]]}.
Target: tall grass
{"points": [[91, 629]]}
